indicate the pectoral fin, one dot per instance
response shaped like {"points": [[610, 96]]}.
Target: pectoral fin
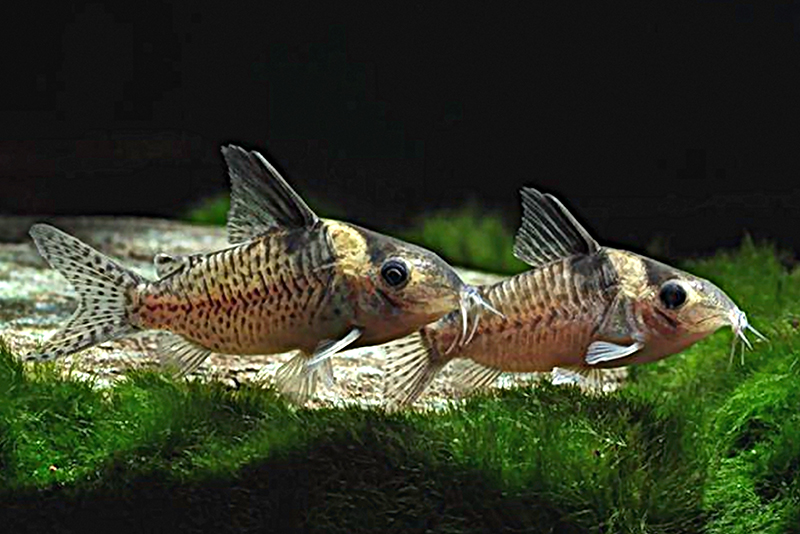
{"points": [[411, 365], [603, 351], [329, 347]]}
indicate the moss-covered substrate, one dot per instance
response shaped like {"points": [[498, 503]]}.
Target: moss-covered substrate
{"points": [[695, 443]]}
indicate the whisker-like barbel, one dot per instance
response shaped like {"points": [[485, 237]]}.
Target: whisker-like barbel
{"points": [[739, 324], [465, 307], [480, 301], [758, 334], [473, 304], [479, 304], [471, 307]]}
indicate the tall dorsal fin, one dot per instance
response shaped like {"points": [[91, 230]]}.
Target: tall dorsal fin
{"points": [[548, 231], [261, 200]]}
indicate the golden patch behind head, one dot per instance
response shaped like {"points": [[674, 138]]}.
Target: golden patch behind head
{"points": [[397, 286]]}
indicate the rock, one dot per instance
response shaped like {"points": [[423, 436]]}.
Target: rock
{"points": [[35, 300]]}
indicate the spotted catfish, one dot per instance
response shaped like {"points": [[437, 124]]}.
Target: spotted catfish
{"points": [[582, 308], [290, 280]]}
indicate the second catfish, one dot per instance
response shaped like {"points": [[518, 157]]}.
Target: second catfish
{"points": [[583, 307]]}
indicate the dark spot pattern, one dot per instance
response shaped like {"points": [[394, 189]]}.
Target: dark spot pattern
{"points": [[104, 287]]}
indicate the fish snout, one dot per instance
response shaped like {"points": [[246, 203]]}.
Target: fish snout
{"points": [[738, 319], [739, 324]]}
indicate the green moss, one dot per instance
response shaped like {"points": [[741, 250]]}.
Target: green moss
{"points": [[698, 442]]}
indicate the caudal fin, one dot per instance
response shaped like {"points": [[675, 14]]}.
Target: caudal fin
{"points": [[412, 363], [104, 288]]}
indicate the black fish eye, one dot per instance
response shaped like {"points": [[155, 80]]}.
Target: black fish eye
{"points": [[672, 295], [395, 273]]}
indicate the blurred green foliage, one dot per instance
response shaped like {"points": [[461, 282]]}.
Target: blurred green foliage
{"points": [[468, 237], [211, 211]]}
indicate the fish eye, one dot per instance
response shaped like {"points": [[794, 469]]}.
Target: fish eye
{"points": [[672, 295], [395, 273]]}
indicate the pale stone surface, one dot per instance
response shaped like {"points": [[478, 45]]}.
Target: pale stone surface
{"points": [[35, 300]]}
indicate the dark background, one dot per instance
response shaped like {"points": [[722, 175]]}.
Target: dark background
{"points": [[676, 121]]}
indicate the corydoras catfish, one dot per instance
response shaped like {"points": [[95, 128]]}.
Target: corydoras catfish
{"points": [[581, 308], [290, 280]]}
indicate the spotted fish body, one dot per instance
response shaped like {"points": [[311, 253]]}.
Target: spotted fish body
{"points": [[289, 281], [272, 294], [256, 298], [582, 308]]}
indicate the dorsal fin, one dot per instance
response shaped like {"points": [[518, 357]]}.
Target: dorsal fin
{"points": [[261, 200], [548, 231]]}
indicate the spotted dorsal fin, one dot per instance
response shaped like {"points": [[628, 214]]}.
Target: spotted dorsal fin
{"points": [[261, 200], [548, 231]]}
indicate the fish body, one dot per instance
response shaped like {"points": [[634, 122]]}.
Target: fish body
{"points": [[285, 291], [550, 318], [289, 281], [582, 308]]}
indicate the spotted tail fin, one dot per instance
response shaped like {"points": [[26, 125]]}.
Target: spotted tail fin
{"points": [[104, 288]]}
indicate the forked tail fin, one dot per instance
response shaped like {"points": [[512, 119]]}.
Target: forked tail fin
{"points": [[104, 287]]}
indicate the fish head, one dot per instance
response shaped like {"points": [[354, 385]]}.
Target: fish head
{"points": [[397, 287], [678, 309], [413, 287]]}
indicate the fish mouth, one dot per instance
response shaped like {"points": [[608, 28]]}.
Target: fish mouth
{"points": [[471, 306], [739, 324]]}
